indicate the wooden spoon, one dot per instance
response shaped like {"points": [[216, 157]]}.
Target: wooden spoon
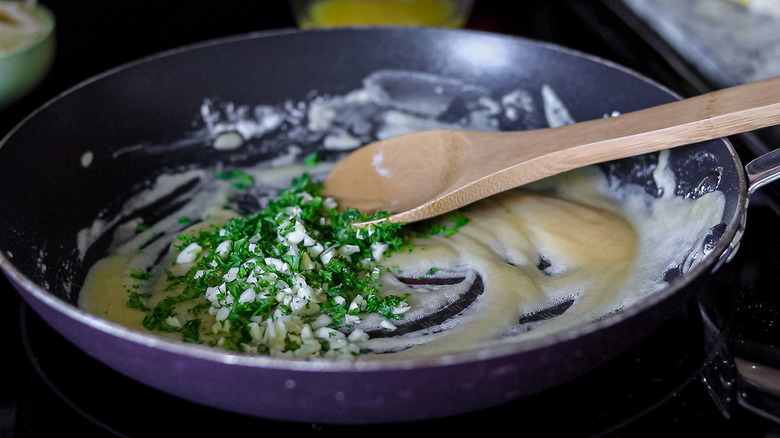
{"points": [[425, 174]]}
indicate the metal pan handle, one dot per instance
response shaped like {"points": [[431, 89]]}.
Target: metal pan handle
{"points": [[738, 376], [763, 170], [759, 172]]}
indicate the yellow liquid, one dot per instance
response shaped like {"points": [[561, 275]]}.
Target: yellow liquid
{"points": [[330, 13]]}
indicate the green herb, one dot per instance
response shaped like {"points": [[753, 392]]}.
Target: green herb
{"points": [[140, 274], [135, 301], [458, 220], [241, 180], [157, 318], [191, 331], [292, 279], [312, 159]]}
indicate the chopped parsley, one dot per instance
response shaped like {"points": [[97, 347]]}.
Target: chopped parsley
{"points": [[134, 301], [140, 274], [293, 279], [241, 180], [312, 159]]}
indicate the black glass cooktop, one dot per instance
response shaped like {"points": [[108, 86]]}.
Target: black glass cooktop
{"points": [[684, 378]]}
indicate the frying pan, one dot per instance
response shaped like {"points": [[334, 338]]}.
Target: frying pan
{"points": [[83, 153]]}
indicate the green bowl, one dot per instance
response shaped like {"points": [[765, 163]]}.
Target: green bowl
{"points": [[23, 68]]}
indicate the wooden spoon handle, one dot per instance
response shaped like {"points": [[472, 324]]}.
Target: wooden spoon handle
{"points": [[717, 114], [705, 117]]}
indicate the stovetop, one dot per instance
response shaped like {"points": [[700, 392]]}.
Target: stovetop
{"points": [[684, 378]]}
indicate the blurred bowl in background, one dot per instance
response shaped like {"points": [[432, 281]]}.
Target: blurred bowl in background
{"points": [[333, 13], [27, 46]]}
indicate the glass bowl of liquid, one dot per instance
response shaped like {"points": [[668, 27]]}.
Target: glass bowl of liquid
{"points": [[311, 14], [26, 48]]}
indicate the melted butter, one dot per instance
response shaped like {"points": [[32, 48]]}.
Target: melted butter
{"points": [[109, 281], [588, 253], [111, 302], [329, 13]]}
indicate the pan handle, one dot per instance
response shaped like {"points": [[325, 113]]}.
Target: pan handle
{"points": [[732, 376], [759, 172], [763, 170]]}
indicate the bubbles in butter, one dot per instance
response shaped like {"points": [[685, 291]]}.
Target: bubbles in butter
{"points": [[532, 262]]}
